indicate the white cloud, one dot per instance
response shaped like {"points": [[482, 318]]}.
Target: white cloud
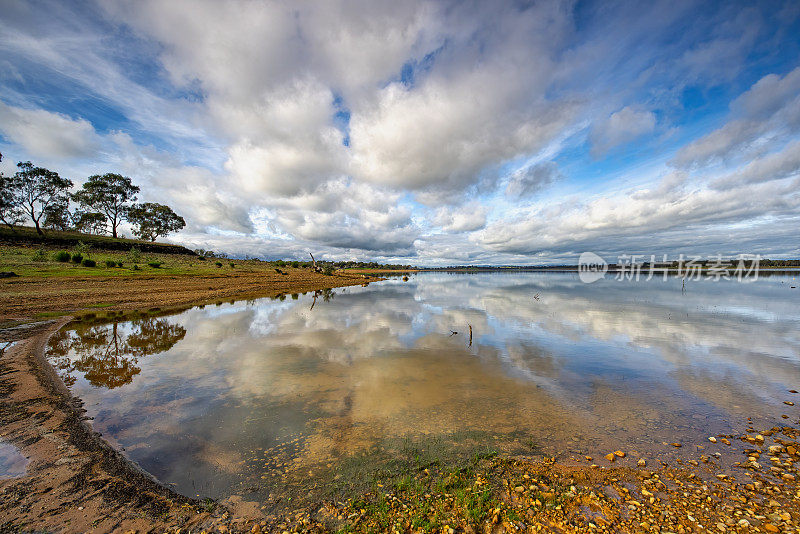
{"points": [[48, 135], [638, 221], [775, 166], [769, 111], [467, 218], [621, 127]]}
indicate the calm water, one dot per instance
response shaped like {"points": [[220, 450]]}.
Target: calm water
{"points": [[242, 398], [12, 462]]}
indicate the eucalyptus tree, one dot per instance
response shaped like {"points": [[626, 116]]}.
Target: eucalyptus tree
{"points": [[35, 189], [10, 211], [151, 220], [108, 194], [57, 216]]}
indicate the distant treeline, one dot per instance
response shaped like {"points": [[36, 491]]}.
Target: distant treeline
{"points": [[703, 264]]}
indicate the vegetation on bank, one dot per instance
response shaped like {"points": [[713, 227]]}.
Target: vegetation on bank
{"points": [[86, 259], [104, 202]]}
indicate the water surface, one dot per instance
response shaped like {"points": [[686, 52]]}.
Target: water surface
{"points": [[242, 398], [12, 462]]}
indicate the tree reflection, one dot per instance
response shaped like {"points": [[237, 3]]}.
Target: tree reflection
{"points": [[108, 355]]}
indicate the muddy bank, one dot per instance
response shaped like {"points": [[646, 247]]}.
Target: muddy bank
{"points": [[30, 298], [74, 482]]}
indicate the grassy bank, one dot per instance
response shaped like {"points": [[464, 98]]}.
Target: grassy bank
{"points": [[27, 236], [48, 281], [43, 261]]}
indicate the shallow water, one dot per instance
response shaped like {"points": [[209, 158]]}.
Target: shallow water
{"points": [[12, 462], [243, 398]]}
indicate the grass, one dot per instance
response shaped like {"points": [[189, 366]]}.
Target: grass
{"points": [[417, 473], [38, 261], [59, 239]]}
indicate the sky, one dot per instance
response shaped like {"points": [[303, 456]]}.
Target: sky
{"points": [[429, 133]]}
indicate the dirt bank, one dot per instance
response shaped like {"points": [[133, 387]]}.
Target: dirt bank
{"points": [[28, 298], [74, 482]]}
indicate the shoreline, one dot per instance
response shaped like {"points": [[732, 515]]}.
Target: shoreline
{"points": [[28, 299], [70, 463]]}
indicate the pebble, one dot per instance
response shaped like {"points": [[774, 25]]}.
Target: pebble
{"points": [[712, 439]]}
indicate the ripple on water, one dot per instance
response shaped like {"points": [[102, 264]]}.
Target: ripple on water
{"points": [[12, 462]]}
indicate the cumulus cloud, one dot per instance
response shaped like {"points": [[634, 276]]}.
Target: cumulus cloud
{"points": [[621, 127], [634, 222], [340, 213], [48, 135], [775, 166], [463, 219]]}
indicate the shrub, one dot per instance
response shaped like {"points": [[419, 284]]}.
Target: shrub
{"points": [[155, 264], [39, 255], [280, 263], [327, 270], [119, 264], [62, 256], [201, 258], [82, 247], [218, 264], [295, 264], [88, 263], [77, 258], [233, 265], [111, 263], [135, 255], [135, 267]]}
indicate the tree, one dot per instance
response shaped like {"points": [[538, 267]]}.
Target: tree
{"points": [[152, 220], [36, 188], [57, 216], [108, 194], [90, 222], [10, 211]]}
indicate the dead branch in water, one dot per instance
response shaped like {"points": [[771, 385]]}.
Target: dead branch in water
{"points": [[314, 264]]}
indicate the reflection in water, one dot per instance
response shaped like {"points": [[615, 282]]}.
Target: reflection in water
{"points": [[259, 390], [12, 463], [106, 354]]}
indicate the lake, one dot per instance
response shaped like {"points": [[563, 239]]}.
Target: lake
{"points": [[262, 397]]}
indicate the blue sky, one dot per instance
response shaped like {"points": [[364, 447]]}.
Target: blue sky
{"points": [[426, 132]]}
